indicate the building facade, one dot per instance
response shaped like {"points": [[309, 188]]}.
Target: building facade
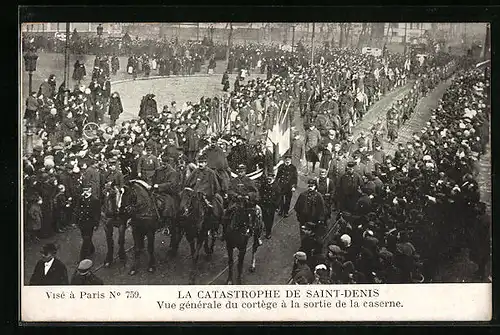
{"points": [[81, 27]]}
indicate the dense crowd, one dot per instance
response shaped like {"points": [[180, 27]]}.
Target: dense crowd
{"points": [[376, 194], [399, 215]]}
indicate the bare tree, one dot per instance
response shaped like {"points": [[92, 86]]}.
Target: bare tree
{"points": [[229, 41]]}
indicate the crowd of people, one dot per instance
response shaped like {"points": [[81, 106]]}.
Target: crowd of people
{"points": [[398, 216], [376, 194]]}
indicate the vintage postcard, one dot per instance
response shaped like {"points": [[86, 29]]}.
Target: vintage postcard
{"points": [[234, 171]]}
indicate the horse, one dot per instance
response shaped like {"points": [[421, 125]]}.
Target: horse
{"points": [[243, 223], [196, 223], [111, 208], [139, 206]]}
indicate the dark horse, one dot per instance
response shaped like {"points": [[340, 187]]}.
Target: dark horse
{"points": [[244, 222], [111, 207], [139, 205], [196, 221]]}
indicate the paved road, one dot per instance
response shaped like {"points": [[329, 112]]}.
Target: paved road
{"points": [[174, 88], [273, 258], [53, 63]]}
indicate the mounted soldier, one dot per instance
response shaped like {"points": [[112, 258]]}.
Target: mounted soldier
{"points": [[242, 192], [167, 186]]}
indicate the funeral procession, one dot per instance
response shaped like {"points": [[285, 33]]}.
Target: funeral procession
{"points": [[255, 153]]}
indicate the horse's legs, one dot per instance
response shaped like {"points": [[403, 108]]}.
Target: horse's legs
{"points": [[241, 257], [121, 241], [151, 249], [175, 238], [108, 230], [192, 246], [138, 234], [230, 262], [205, 241], [212, 244], [200, 240], [255, 246]]}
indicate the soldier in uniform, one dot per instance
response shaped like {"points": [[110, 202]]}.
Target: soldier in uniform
{"points": [[286, 178], [92, 178], [242, 191], [269, 200], [310, 206], [88, 214], [348, 189], [83, 275], [114, 175], [191, 144], [114, 184], [204, 180], [167, 182], [147, 165], [313, 138], [326, 187]]}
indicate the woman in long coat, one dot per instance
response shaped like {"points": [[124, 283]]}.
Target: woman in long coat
{"points": [[115, 108], [148, 106]]}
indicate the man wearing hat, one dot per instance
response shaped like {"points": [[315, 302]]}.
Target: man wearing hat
{"points": [[83, 275], [310, 206], [326, 187], [242, 192], [269, 201], [313, 138], [147, 165], [348, 189], [114, 176], [204, 180], [114, 184], [167, 183], [88, 215], [92, 178], [286, 178], [191, 144], [300, 268], [49, 270], [311, 243]]}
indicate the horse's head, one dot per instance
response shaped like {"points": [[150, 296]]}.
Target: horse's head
{"points": [[128, 200], [188, 201], [112, 199]]}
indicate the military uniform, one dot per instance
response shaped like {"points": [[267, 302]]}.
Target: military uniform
{"points": [[269, 201], [310, 207], [146, 167], [347, 191], [88, 214], [205, 181], [92, 178], [286, 177], [169, 187], [243, 186], [326, 187]]}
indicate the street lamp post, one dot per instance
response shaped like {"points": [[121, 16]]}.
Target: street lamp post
{"points": [[99, 34], [30, 59]]}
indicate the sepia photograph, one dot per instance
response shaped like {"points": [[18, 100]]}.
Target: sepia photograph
{"points": [[229, 153]]}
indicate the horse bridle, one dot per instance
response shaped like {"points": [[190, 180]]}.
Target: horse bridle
{"points": [[186, 212]]}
